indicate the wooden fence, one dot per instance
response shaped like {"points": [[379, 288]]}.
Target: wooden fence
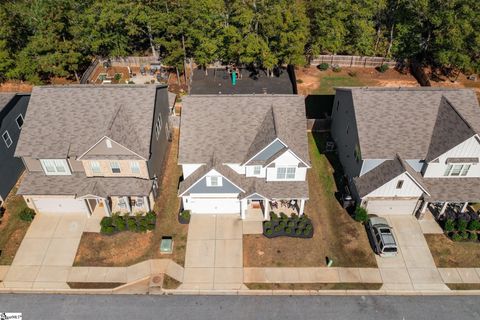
{"points": [[352, 61], [132, 61]]}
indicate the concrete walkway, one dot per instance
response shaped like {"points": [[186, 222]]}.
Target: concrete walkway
{"points": [[414, 267], [214, 255]]}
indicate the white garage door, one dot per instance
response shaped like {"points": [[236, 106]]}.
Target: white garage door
{"points": [[217, 206], [59, 205], [389, 207]]}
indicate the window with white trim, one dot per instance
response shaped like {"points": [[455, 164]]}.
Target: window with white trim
{"points": [[115, 166], [57, 167], [19, 121], [158, 125], [95, 166], [6, 138], [286, 173], [214, 181], [135, 167], [257, 170], [455, 170], [108, 142]]}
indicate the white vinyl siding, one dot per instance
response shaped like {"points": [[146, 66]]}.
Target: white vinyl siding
{"points": [[6, 138], [408, 188], [54, 167]]}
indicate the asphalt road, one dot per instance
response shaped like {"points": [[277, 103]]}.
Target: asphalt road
{"points": [[138, 307]]}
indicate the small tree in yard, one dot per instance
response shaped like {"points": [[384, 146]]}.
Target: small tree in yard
{"points": [[27, 214], [361, 214], [449, 225]]}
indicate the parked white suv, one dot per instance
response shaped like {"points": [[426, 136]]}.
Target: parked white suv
{"points": [[381, 236]]}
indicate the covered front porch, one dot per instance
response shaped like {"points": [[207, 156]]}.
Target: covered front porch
{"points": [[256, 205], [117, 204]]}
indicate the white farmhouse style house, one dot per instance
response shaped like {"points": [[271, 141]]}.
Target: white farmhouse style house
{"points": [[403, 148], [243, 152]]}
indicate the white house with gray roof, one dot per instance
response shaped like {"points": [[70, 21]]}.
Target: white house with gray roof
{"points": [[243, 152], [94, 149], [403, 148]]}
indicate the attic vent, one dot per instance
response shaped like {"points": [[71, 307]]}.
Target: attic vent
{"points": [[109, 143]]}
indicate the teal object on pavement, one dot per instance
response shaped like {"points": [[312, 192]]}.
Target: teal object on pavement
{"points": [[234, 78]]}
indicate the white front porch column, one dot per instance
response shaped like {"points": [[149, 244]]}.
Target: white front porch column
{"points": [[243, 208], [424, 207], [147, 202], [266, 213], [302, 207], [464, 208], [444, 207]]}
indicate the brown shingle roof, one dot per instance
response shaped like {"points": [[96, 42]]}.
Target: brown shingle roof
{"points": [[227, 126], [66, 121], [401, 121]]}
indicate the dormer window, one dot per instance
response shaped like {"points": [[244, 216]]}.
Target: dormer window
{"points": [[214, 181], [55, 167], [257, 170]]}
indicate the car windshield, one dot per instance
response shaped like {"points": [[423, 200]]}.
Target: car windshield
{"points": [[385, 230], [389, 249]]}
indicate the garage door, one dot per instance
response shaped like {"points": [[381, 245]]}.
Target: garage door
{"points": [[389, 207], [59, 205], [217, 206]]}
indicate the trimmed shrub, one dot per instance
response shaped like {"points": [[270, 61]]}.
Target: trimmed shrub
{"points": [[283, 216], [473, 225], [288, 230], [298, 232], [307, 232], [361, 214], [132, 224], [117, 77], [121, 224], [462, 225], [464, 235], [185, 214], [150, 226], [106, 222], [293, 216], [273, 216], [142, 228], [309, 227], [108, 230], [150, 215], [449, 225], [301, 225], [323, 66], [456, 237], [473, 236], [269, 232], [278, 228], [267, 224], [383, 68], [282, 224], [291, 223], [336, 68], [27, 214]]}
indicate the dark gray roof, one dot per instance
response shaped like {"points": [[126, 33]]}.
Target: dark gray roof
{"points": [[401, 121], [66, 121], [228, 126], [265, 135], [378, 176], [77, 184]]}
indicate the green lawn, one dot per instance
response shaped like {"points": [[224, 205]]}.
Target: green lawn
{"points": [[12, 229], [327, 83]]}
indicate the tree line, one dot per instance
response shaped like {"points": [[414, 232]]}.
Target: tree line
{"points": [[41, 39]]}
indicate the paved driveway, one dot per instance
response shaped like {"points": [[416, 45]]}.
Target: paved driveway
{"points": [[214, 255], [414, 267], [47, 252]]}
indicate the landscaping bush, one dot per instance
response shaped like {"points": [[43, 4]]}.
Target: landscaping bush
{"points": [[301, 225], [473, 236], [450, 214], [383, 68], [288, 230], [269, 232], [283, 216], [449, 225], [293, 216], [273, 216], [298, 232], [267, 224], [185, 214], [141, 228], [132, 224], [462, 225], [307, 232], [336, 68], [291, 223], [361, 214], [121, 225], [108, 230], [473, 225], [117, 77], [150, 226], [282, 224], [106, 221], [464, 235], [27, 214], [456, 237], [278, 228], [309, 227], [151, 216], [323, 66], [464, 216]]}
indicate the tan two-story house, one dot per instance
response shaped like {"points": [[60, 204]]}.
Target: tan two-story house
{"points": [[94, 149]]}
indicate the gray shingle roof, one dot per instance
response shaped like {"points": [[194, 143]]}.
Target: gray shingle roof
{"points": [[228, 126], [378, 176], [453, 189], [66, 121], [77, 184], [401, 121]]}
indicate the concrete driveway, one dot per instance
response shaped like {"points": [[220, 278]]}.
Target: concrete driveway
{"points": [[214, 255], [414, 267], [47, 252]]}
